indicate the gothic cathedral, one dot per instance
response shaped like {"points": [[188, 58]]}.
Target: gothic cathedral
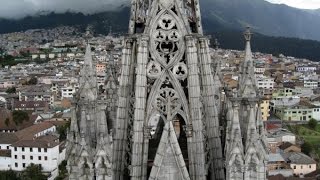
{"points": [[174, 119]]}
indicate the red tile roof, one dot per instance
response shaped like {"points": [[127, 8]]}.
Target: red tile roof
{"points": [[29, 132], [271, 126], [29, 104], [11, 125]]}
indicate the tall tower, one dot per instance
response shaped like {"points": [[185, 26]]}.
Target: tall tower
{"points": [[89, 151], [167, 124], [245, 148]]}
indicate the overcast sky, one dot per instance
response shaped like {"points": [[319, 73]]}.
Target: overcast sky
{"points": [[303, 4], [21, 8]]}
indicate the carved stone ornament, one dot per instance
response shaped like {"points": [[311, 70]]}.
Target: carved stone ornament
{"points": [[167, 41], [168, 101], [153, 70], [180, 71]]}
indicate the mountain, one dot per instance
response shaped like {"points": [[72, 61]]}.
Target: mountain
{"points": [[314, 11], [101, 21], [232, 39], [264, 17]]}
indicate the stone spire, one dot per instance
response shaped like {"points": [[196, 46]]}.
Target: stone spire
{"points": [[234, 145], [143, 11], [252, 156], [88, 144], [166, 74], [88, 79], [247, 83], [248, 54]]}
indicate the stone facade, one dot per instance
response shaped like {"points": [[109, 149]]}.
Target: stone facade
{"points": [[172, 121], [245, 146], [89, 149]]}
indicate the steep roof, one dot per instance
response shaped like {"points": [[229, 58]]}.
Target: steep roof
{"points": [[27, 137], [298, 158], [8, 138], [286, 145], [29, 132], [40, 143], [275, 158], [30, 104], [11, 125], [271, 126]]}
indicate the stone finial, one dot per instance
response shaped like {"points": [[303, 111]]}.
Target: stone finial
{"points": [[88, 34], [216, 43], [247, 34]]}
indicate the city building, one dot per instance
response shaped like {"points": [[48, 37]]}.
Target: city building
{"points": [[300, 163], [312, 84], [69, 91], [306, 68], [302, 111], [37, 144], [265, 108], [265, 82], [31, 106]]}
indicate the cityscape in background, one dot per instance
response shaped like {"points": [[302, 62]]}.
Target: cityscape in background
{"points": [[45, 75]]}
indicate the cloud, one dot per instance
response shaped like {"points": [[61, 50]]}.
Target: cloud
{"points": [[302, 4], [21, 8]]}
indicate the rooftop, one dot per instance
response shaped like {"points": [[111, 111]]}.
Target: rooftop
{"points": [[10, 124], [8, 138], [275, 158], [298, 158], [30, 132], [47, 141]]}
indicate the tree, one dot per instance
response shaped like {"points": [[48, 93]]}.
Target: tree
{"points": [[312, 123], [306, 148], [62, 171], [33, 81], [7, 60], [19, 116], [9, 175], [7, 121], [11, 90], [63, 130], [33, 172]]}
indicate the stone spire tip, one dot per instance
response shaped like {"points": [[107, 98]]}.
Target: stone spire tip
{"points": [[248, 34]]}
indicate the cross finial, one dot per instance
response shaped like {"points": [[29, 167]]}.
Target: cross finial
{"points": [[88, 34], [216, 43], [247, 34]]}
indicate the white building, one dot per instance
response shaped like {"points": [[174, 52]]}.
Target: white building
{"points": [[42, 151], [259, 70], [34, 56], [69, 91], [36, 144], [264, 82], [312, 84], [283, 101], [6, 139], [43, 56], [282, 136], [306, 68], [52, 56], [316, 113], [300, 163], [8, 83]]}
